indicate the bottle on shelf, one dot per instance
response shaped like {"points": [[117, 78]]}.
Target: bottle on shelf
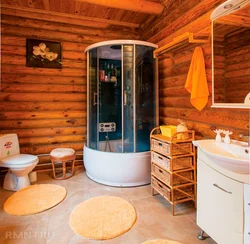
{"points": [[101, 74]]}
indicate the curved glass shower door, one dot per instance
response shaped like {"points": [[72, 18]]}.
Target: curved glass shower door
{"points": [[128, 144], [121, 97], [92, 100]]}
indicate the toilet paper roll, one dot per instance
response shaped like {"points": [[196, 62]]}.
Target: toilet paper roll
{"points": [[33, 176]]}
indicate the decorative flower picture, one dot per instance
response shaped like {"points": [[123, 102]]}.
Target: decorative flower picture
{"points": [[45, 54]]}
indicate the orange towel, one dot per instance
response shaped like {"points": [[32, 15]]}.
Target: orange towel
{"points": [[196, 82]]}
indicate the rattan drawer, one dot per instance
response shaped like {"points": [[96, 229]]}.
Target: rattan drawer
{"points": [[172, 179], [171, 195], [171, 149], [172, 164]]}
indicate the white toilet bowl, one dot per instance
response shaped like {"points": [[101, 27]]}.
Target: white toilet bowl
{"points": [[20, 165]]}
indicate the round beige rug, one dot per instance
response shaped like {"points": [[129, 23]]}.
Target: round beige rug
{"points": [[34, 199], [161, 241], [102, 218]]}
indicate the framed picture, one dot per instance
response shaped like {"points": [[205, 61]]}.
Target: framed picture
{"points": [[43, 54]]}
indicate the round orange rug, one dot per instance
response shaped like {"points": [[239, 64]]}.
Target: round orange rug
{"points": [[161, 241], [102, 218], [34, 199]]}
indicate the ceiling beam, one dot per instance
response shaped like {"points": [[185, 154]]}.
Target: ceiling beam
{"points": [[142, 6], [61, 17]]}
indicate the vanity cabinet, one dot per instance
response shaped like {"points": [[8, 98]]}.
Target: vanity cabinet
{"points": [[247, 213], [220, 211]]}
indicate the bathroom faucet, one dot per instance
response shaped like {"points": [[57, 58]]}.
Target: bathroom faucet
{"points": [[245, 136]]}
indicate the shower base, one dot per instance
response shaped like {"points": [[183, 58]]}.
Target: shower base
{"points": [[117, 169]]}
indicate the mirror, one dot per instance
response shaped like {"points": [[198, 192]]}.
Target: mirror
{"points": [[231, 54]]}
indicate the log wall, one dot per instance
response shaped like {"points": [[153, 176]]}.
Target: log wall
{"points": [[47, 107], [173, 69]]}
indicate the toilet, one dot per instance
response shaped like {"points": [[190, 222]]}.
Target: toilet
{"points": [[19, 165]]}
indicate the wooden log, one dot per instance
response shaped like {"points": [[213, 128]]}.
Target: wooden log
{"points": [[180, 102], [13, 40], [29, 141], [71, 46], [19, 50], [177, 91], [239, 53], [20, 69], [205, 130], [50, 35], [179, 80], [142, 6], [13, 50], [45, 149], [240, 92], [183, 13], [42, 106], [48, 79], [170, 32], [38, 97], [178, 69], [21, 41], [69, 28], [235, 73], [16, 115], [6, 87], [238, 80], [48, 132], [231, 47], [62, 17], [199, 12], [238, 66], [237, 60], [44, 123], [184, 62], [214, 116]]}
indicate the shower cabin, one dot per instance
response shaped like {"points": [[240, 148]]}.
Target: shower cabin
{"points": [[121, 111]]}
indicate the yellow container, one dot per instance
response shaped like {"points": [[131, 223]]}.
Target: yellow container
{"points": [[168, 130]]}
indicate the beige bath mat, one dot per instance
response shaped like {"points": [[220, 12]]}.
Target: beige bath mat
{"points": [[161, 241], [34, 199], [103, 218]]}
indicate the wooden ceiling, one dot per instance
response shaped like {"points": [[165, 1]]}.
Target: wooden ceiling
{"points": [[133, 12]]}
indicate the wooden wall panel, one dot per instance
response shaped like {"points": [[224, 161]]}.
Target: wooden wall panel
{"points": [[47, 108], [174, 100]]}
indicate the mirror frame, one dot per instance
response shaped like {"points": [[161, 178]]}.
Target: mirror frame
{"points": [[223, 10]]}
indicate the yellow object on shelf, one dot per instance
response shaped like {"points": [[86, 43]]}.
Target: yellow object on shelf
{"points": [[168, 130]]}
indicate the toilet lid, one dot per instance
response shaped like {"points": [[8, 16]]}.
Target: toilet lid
{"points": [[19, 159]]}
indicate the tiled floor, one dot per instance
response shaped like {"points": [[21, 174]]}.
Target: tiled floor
{"points": [[154, 218]]}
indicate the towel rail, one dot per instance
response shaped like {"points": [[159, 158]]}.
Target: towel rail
{"points": [[180, 41]]}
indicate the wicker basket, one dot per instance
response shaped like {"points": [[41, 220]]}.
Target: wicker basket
{"points": [[165, 191], [177, 163], [171, 149], [172, 179]]}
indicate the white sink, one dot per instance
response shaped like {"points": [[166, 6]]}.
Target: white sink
{"points": [[234, 157]]}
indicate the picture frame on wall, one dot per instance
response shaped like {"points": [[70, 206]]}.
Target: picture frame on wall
{"points": [[43, 54]]}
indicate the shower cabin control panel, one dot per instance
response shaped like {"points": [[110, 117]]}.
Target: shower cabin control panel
{"points": [[107, 127]]}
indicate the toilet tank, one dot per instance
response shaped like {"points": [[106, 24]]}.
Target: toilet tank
{"points": [[9, 145]]}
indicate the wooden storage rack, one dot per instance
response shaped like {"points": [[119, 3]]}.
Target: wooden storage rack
{"points": [[173, 166]]}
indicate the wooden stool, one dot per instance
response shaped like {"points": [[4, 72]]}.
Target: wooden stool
{"points": [[63, 155]]}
